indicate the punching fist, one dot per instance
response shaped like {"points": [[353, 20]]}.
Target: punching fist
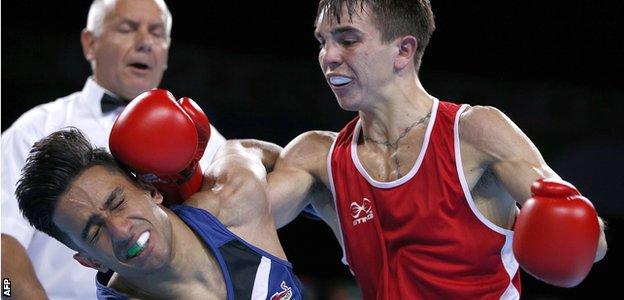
{"points": [[556, 234], [162, 141]]}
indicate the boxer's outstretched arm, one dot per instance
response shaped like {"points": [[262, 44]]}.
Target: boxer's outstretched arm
{"points": [[557, 232], [511, 155], [299, 172]]}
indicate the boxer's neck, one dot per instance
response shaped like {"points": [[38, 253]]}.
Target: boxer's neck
{"points": [[393, 129], [395, 110]]}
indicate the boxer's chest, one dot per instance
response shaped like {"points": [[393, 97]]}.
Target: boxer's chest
{"points": [[387, 163]]}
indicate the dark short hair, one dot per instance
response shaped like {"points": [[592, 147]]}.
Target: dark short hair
{"points": [[52, 165], [393, 18]]}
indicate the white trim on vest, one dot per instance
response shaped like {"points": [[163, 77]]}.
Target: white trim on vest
{"points": [[415, 167], [507, 258]]}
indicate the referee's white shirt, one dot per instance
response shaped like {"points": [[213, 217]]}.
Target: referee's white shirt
{"points": [[61, 276]]}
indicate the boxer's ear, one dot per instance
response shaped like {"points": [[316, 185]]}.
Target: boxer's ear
{"points": [[406, 47], [89, 262], [155, 194], [151, 190]]}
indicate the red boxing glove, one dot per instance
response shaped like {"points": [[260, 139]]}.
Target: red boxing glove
{"points": [[556, 234], [194, 173], [162, 141], [201, 124]]}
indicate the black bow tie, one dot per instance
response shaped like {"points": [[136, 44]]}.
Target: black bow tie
{"points": [[110, 103]]}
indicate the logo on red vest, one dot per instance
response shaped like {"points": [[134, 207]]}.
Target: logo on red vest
{"points": [[285, 294], [361, 213]]}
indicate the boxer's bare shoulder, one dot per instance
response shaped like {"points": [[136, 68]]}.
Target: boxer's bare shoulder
{"points": [[234, 192], [490, 133], [490, 140], [488, 137], [234, 186]]}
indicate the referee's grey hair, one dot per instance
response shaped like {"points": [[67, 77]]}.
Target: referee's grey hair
{"points": [[100, 8]]}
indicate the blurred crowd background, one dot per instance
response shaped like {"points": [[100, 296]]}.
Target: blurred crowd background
{"points": [[555, 68]]}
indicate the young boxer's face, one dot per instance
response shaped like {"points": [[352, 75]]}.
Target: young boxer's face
{"points": [[115, 223], [358, 67], [130, 54]]}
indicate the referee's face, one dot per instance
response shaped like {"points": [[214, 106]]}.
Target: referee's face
{"points": [[130, 54]]}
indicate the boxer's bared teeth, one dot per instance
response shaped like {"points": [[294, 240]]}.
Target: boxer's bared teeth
{"points": [[339, 80], [137, 248]]}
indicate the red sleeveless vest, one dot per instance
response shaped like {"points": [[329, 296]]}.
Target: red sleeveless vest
{"points": [[420, 236]]}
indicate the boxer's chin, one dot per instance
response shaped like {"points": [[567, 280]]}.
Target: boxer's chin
{"points": [[348, 101]]}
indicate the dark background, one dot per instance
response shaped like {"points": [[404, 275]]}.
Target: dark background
{"points": [[555, 68]]}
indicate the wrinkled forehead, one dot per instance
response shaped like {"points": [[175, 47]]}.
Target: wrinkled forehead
{"points": [[75, 205], [85, 195], [71, 215]]}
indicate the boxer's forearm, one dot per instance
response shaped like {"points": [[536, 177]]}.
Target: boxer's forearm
{"points": [[16, 266]]}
